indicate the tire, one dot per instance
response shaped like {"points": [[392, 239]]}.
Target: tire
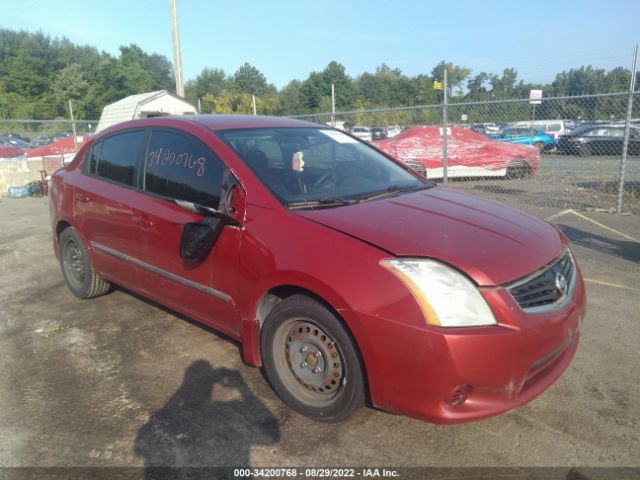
{"points": [[539, 145], [76, 266], [584, 150], [311, 361], [518, 169]]}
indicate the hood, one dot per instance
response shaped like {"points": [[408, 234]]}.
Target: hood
{"points": [[492, 243]]}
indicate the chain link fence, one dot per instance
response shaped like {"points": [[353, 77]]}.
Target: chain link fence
{"points": [[31, 150], [565, 152]]}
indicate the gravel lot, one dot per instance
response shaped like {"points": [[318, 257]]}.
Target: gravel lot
{"points": [[120, 381]]}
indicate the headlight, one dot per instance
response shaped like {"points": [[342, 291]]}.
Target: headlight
{"points": [[447, 297]]}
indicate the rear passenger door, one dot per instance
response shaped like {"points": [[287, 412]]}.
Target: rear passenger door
{"points": [[178, 166], [102, 203]]}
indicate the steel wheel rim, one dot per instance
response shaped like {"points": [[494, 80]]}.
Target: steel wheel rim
{"points": [[73, 261], [310, 362]]}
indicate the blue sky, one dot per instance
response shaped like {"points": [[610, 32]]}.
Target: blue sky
{"points": [[287, 39]]}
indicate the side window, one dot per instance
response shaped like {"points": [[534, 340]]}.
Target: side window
{"points": [[119, 155], [181, 167], [615, 132], [92, 158]]}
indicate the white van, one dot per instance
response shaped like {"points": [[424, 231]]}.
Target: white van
{"points": [[555, 128]]}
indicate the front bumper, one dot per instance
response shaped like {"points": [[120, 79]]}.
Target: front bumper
{"points": [[421, 371]]}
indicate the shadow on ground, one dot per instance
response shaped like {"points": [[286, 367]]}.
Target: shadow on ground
{"points": [[212, 420], [626, 250], [631, 187]]}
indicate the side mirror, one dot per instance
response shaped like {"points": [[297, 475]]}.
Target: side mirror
{"points": [[198, 238], [233, 198]]}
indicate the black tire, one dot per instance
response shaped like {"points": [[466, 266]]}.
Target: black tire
{"points": [[76, 266], [584, 150], [311, 361], [539, 145], [518, 169]]}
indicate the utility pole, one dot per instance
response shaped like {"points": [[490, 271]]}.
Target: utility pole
{"points": [[73, 125], [333, 105], [445, 123], [177, 58], [627, 132]]}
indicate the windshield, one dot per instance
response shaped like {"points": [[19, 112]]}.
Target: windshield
{"points": [[312, 167]]}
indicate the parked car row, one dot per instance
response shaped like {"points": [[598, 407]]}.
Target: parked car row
{"points": [[599, 140], [375, 133], [25, 143], [584, 140], [14, 147], [525, 136], [567, 137]]}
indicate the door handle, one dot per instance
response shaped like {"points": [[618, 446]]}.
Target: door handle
{"points": [[143, 222], [81, 197]]}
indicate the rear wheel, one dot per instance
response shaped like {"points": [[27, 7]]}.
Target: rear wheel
{"points": [[584, 150], [78, 272], [311, 361], [539, 146]]}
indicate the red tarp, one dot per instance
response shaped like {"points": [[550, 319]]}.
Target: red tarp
{"points": [[64, 145]]}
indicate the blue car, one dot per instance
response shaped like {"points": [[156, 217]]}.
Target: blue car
{"points": [[525, 136]]}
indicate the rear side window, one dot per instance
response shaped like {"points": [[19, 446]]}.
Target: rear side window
{"points": [[181, 167], [119, 155]]}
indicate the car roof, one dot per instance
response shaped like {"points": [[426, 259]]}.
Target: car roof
{"points": [[214, 122], [224, 122], [591, 126]]}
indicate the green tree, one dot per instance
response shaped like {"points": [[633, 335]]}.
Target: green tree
{"points": [[290, 99], [248, 79], [456, 74], [158, 72], [70, 84], [318, 86], [210, 81]]}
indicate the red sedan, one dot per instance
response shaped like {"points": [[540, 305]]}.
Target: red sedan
{"points": [[469, 153], [343, 273]]}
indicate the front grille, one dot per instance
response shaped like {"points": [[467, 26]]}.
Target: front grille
{"points": [[550, 286]]}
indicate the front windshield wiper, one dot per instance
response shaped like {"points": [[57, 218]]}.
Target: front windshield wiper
{"points": [[324, 202], [392, 189]]}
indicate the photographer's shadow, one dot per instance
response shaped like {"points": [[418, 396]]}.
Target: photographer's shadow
{"points": [[212, 420]]}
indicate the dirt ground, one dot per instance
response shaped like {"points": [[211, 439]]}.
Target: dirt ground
{"points": [[119, 381]]}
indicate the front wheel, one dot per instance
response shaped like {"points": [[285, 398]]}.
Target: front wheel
{"points": [[311, 361], [77, 269], [518, 169]]}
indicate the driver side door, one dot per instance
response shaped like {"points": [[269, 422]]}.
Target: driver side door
{"points": [[178, 166]]}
